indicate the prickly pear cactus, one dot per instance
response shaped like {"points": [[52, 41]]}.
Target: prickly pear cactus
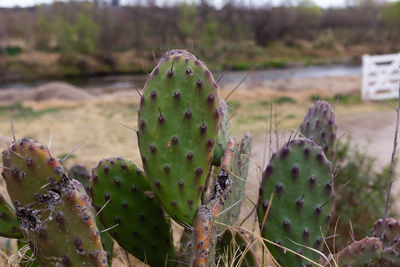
{"points": [[223, 133], [389, 233], [360, 254], [177, 128], [130, 209], [9, 225], [300, 178], [240, 168], [319, 125], [81, 174], [54, 216], [235, 246]]}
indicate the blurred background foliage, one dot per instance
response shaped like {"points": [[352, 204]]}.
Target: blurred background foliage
{"points": [[95, 37]]}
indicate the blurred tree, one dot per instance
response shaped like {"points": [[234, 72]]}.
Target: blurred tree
{"points": [[187, 20], [86, 33], [391, 18]]}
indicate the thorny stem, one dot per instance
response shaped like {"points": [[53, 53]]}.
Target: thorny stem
{"points": [[392, 162]]}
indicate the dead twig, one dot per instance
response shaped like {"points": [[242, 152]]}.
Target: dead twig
{"points": [[392, 163]]}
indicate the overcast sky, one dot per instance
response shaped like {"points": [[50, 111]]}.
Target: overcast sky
{"points": [[24, 3]]}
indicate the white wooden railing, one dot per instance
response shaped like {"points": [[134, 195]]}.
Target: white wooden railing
{"points": [[380, 77]]}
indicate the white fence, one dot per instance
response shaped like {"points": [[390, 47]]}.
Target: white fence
{"points": [[380, 77]]}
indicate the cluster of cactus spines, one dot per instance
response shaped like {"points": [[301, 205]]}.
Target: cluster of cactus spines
{"points": [[177, 127], [359, 254], [9, 224], [319, 125], [80, 173], [223, 133], [300, 178], [127, 206], [240, 168], [54, 216], [234, 244]]}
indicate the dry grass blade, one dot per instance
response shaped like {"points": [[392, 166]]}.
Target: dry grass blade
{"points": [[280, 246], [73, 150], [12, 127], [241, 81]]}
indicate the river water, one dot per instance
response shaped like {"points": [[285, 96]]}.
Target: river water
{"points": [[122, 82]]}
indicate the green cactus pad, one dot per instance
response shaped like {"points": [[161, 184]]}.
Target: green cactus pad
{"points": [[319, 125], [55, 218], [139, 225], [29, 166], [9, 225], [240, 168], [233, 249], [81, 174], [223, 133], [360, 253], [299, 177], [177, 128]]}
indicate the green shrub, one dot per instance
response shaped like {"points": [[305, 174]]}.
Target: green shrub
{"points": [[360, 193]]}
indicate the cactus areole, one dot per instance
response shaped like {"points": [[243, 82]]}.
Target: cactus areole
{"points": [[177, 128]]}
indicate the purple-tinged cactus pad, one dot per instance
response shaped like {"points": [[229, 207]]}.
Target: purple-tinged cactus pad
{"points": [[360, 254], [300, 178], [319, 125], [389, 233], [56, 218]]}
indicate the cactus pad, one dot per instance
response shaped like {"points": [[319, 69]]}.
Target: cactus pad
{"points": [[389, 233], [319, 125], [9, 225], [80, 173], [30, 167], [300, 178], [132, 211], [178, 122], [360, 253], [240, 168], [54, 216], [223, 133]]}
